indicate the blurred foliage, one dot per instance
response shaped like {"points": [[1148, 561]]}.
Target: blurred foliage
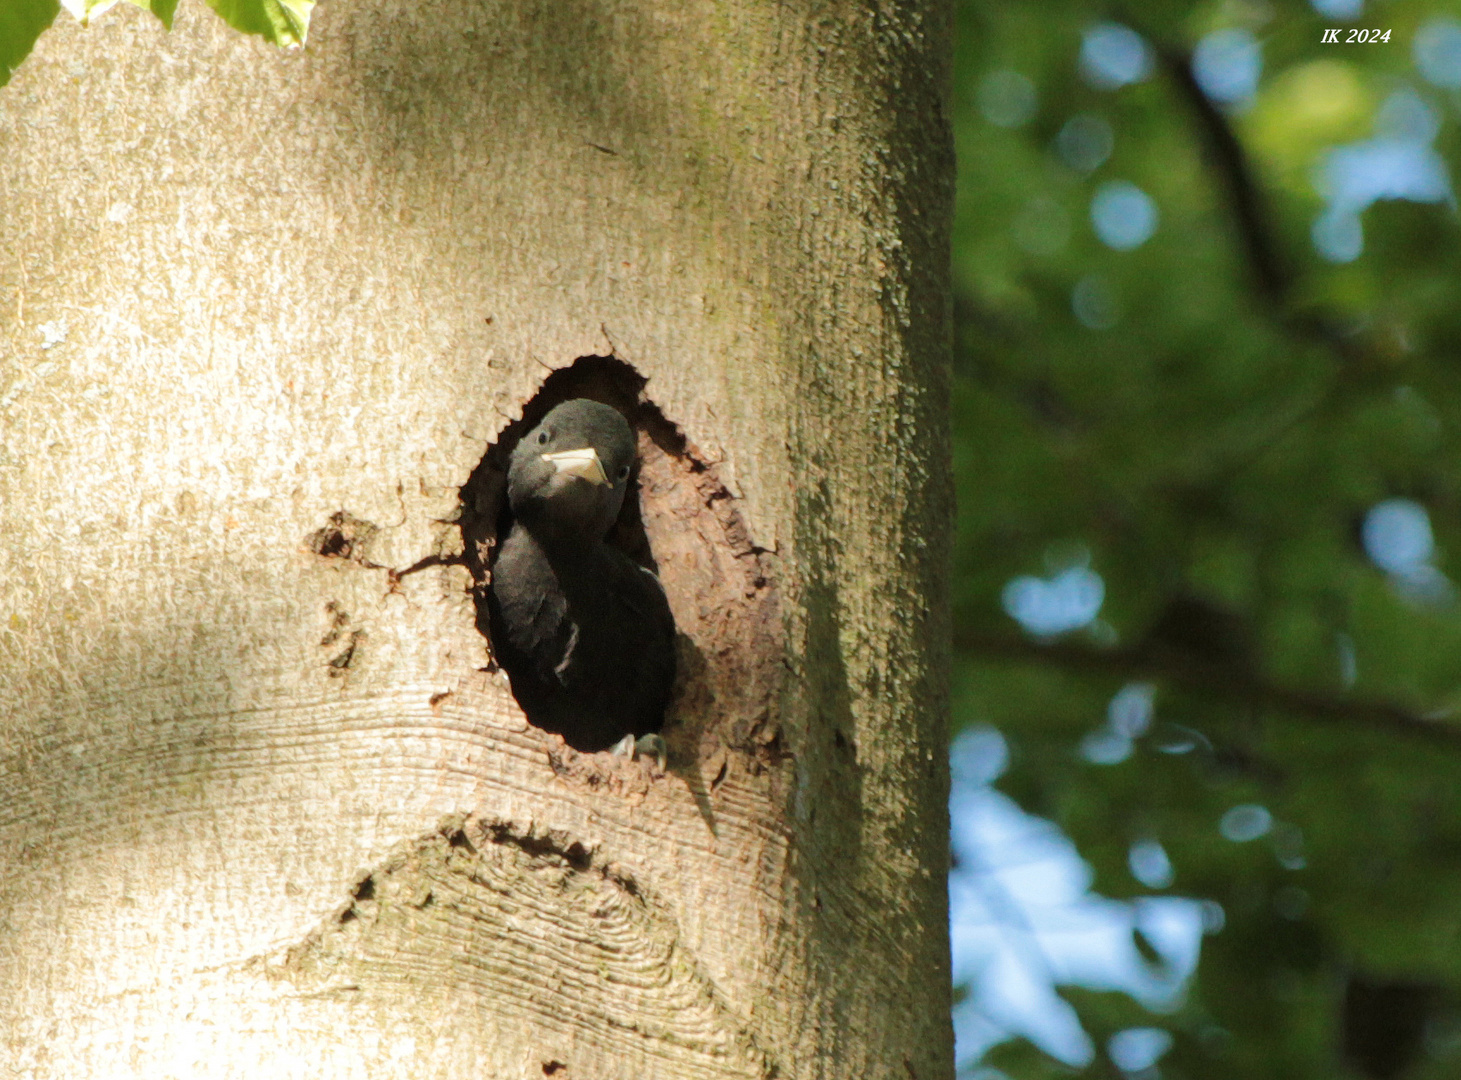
{"points": [[1217, 446], [280, 22]]}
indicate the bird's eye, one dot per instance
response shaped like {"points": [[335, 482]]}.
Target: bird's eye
{"points": [[623, 472], [542, 437]]}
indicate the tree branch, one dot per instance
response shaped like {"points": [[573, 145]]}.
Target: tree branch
{"points": [[1220, 680], [1250, 212]]}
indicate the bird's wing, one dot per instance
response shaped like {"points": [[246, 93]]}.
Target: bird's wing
{"points": [[643, 595], [530, 624], [563, 670], [624, 657]]}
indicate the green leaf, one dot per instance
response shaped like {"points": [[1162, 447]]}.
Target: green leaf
{"points": [[21, 22], [283, 22], [163, 9]]}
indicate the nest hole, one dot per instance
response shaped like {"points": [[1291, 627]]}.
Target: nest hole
{"points": [[679, 520]]}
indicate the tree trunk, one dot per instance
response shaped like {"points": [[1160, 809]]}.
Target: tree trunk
{"points": [[266, 806]]}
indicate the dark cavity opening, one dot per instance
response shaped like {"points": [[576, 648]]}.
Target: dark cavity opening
{"points": [[720, 583], [486, 515]]}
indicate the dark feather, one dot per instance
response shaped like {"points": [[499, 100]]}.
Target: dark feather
{"points": [[584, 633]]}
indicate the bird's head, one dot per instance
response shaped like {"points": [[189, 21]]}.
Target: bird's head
{"points": [[569, 474]]}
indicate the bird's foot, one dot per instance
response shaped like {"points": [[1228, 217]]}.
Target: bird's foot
{"points": [[651, 745]]}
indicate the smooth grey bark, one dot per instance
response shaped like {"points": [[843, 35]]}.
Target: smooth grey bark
{"points": [[264, 808]]}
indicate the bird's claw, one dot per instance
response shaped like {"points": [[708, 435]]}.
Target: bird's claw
{"points": [[651, 745]]}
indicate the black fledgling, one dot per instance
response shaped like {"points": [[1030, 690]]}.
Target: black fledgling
{"points": [[584, 632]]}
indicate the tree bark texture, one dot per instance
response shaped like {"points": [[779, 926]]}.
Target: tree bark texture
{"points": [[270, 321]]}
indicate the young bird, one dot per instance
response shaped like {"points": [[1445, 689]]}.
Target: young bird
{"points": [[584, 632]]}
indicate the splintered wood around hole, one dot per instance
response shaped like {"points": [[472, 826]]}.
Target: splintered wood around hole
{"points": [[680, 520]]}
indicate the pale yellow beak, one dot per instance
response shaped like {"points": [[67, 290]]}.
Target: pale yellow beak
{"points": [[583, 464]]}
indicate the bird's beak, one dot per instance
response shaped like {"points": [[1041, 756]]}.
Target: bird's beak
{"points": [[583, 464]]}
